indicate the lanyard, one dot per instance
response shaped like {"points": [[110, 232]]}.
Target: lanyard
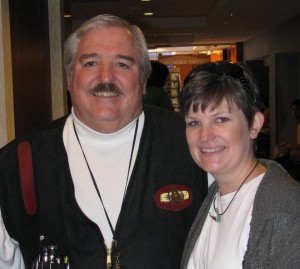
{"points": [[114, 243]]}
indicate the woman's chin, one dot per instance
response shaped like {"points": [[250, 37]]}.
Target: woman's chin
{"points": [[212, 168]]}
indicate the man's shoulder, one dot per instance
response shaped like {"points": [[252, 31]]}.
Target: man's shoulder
{"points": [[38, 135], [163, 114]]}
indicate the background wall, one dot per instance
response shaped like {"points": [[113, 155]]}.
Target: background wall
{"points": [[287, 89], [279, 49], [30, 64]]}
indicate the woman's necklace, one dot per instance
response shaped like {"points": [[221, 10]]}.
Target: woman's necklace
{"points": [[217, 218]]}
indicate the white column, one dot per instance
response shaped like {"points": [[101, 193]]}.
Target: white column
{"points": [[7, 123], [56, 39]]}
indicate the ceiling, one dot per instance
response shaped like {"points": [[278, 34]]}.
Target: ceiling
{"points": [[208, 24]]}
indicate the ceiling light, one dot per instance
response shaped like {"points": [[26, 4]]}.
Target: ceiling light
{"points": [[208, 51], [148, 13]]}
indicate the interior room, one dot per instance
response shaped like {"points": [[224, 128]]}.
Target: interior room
{"points": [[92, 176], [180, 34]]}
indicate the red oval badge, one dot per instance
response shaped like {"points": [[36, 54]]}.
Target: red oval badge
{"points": [[173, 197]]}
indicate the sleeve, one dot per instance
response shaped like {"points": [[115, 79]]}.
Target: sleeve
{"points": [[10, 254], [285, 244]]}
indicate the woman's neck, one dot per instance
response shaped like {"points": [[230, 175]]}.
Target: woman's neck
{"points": [[228, 186]]}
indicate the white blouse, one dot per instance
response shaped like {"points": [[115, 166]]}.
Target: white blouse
{"points": [[223, 245]]}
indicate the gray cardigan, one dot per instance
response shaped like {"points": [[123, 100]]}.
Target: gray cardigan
{"points": [[274, 239]]}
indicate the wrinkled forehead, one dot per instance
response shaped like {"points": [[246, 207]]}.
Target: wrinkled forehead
{"points": [[110, 41], [104, 32]]}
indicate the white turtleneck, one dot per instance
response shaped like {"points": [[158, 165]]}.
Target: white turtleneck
{"points": [[108, 156]]}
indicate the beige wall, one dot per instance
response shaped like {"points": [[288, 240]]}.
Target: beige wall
{"points": [[7, 131], [284, 38], [56, 38]]}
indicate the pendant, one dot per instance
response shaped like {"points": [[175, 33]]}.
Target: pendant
{"points": [[108, 256], [117, 261], [218, 217], [117, 256]]}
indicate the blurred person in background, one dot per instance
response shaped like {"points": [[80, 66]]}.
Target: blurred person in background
{"points": [[288, 153], [155, 92]]}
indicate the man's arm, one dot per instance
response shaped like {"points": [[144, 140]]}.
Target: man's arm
{"points": [[10, 254]]}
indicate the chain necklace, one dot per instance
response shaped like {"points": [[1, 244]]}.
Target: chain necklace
{"points": [[217, 218], [114, 245]]}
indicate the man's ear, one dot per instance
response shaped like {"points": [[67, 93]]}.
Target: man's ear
{"points": [[257, 124], [68, 78], [144, 87]]}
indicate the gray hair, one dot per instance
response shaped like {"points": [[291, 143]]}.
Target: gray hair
{"points": [[107, 20]]}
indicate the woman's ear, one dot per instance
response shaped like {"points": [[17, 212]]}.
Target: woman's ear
{"points": [[257, 124]]}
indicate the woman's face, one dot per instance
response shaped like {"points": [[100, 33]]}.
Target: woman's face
{"points": [[220, 140]]}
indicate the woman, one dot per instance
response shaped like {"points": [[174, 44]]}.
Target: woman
{"points": [[251, 216]]}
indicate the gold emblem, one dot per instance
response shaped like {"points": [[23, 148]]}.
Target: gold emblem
{"points": [[174, 196]]}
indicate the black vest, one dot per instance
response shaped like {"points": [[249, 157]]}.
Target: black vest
{"points": [[164, 194]]}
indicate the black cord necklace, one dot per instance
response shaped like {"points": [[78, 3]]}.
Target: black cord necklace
{"points": [[114, 242], [217, 218]]}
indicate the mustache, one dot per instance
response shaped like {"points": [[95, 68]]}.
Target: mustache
{"points": [[106, 87]]}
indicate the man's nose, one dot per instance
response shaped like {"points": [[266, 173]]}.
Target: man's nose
{"points": [[105, 73]]}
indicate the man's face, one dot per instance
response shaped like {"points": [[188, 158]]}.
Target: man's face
{"points": [[295, 112], [105, 87]]}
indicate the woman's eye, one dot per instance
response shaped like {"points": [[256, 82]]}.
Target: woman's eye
{"points": [[193, 123], [222, 119]]}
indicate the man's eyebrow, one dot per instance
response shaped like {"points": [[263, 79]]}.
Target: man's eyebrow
{"points": [[125, 57], [96, 55], [87, 56]]}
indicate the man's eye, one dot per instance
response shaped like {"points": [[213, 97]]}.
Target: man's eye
{"points": [[123, 65], [89, 64]]}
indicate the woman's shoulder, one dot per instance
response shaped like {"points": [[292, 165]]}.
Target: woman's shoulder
{"points": [[277, 176], [278, 193]]}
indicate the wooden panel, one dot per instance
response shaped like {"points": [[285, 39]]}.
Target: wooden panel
{"points": [[30, 63]]}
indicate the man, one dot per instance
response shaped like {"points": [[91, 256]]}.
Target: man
{"points": [[10, 254], [155, 93], [288, 153], [112, 184], [295, 107]]}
